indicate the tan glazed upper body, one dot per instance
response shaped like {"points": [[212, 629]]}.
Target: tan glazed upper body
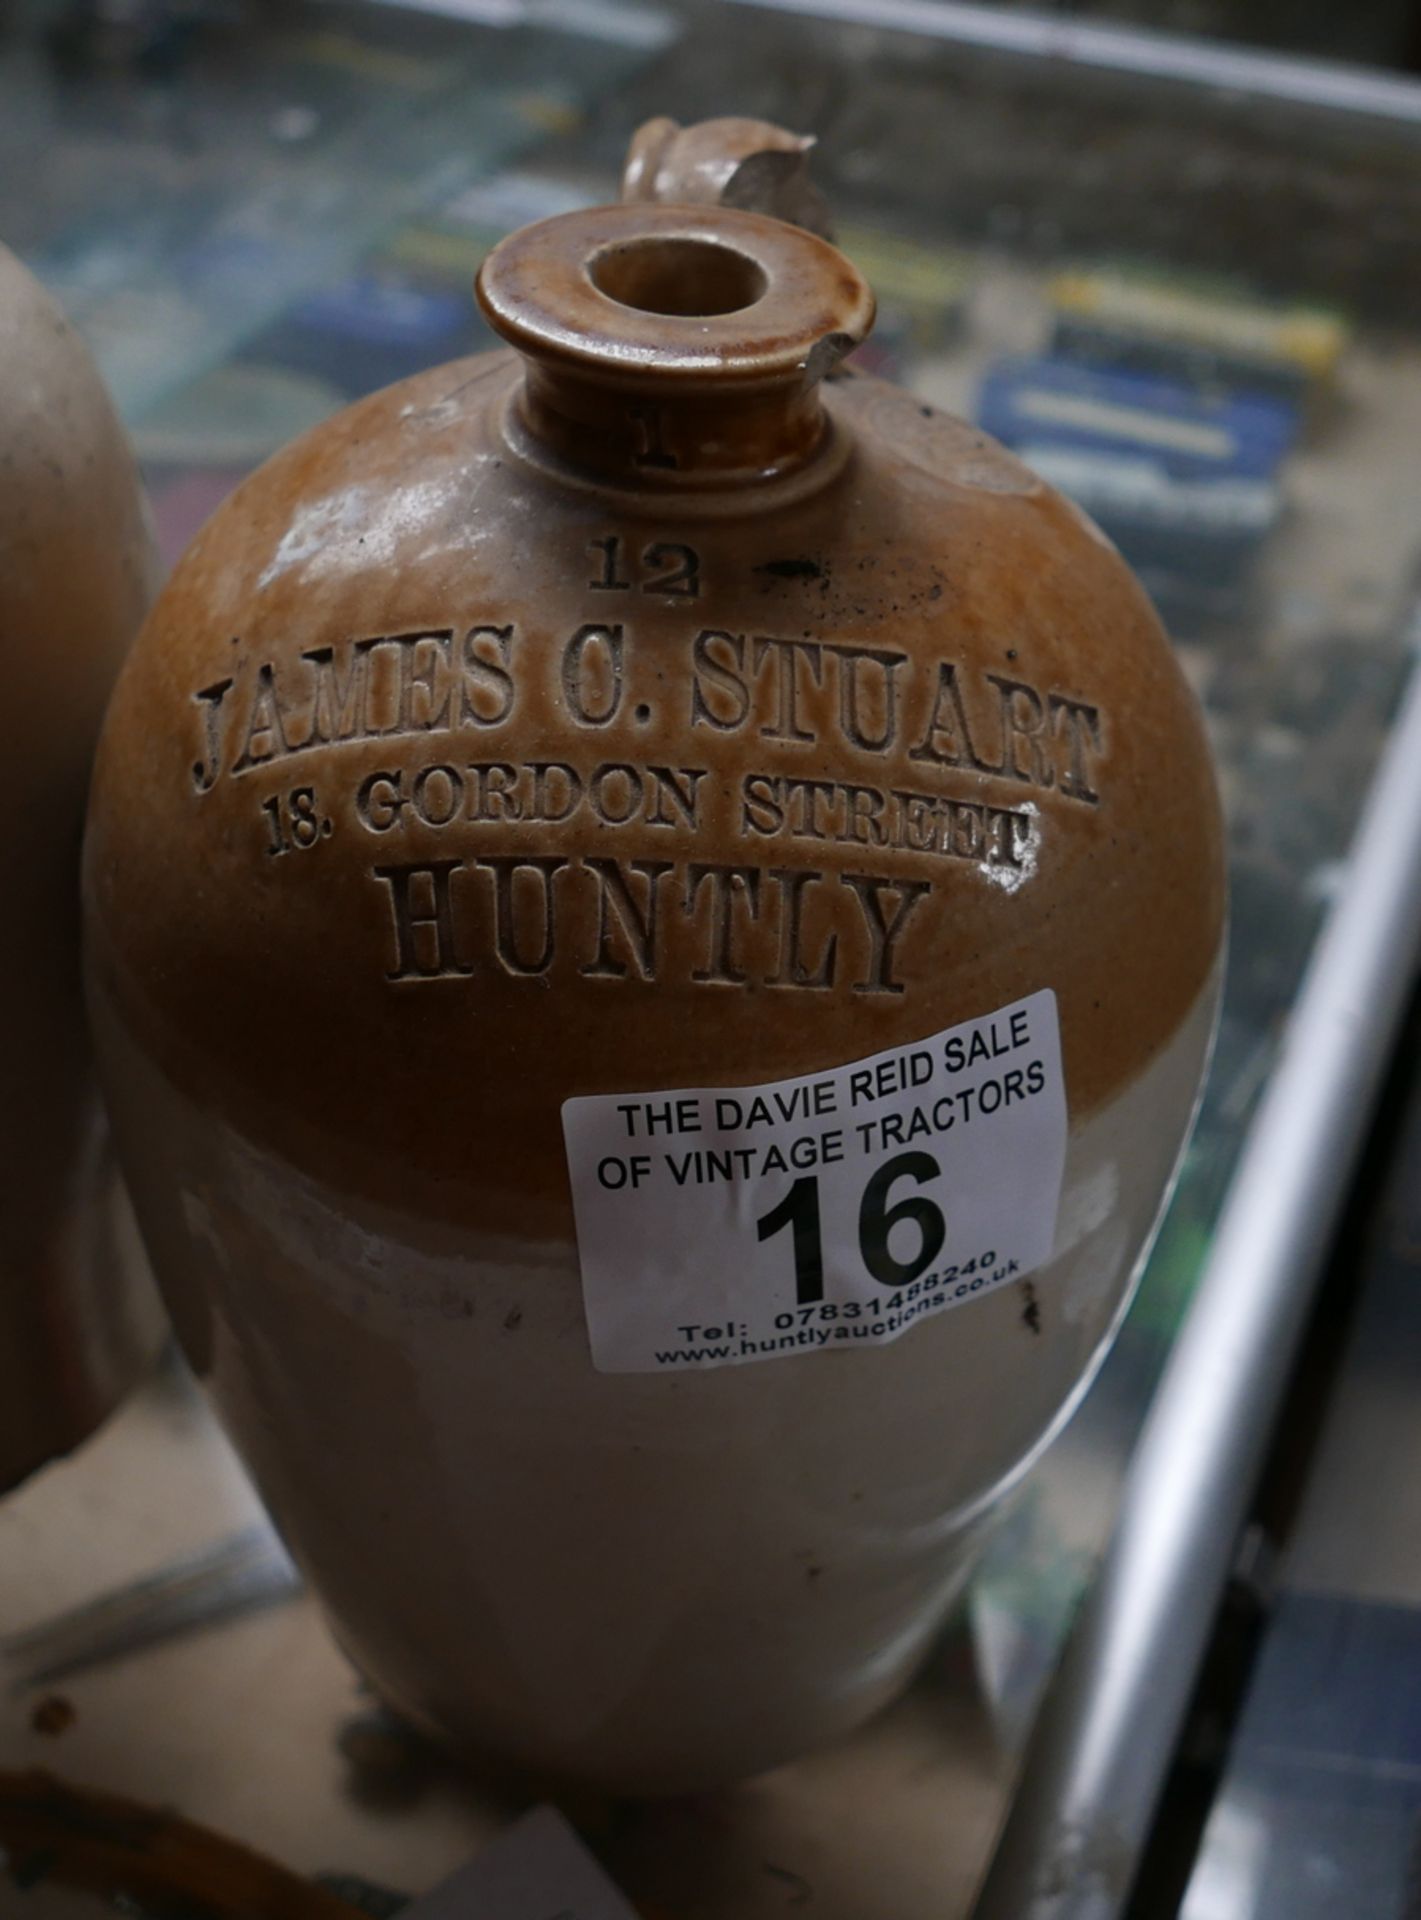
{"points": [[866, 758], [663, 705]]}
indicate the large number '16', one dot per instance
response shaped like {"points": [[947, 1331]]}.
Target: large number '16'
{"points": [[799, 1210]]}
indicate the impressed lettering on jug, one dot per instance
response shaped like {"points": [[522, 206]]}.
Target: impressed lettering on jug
{"points": [[949, 760]]}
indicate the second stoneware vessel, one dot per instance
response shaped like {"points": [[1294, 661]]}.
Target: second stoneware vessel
{"points": [[654, 912], [79, 1320]]}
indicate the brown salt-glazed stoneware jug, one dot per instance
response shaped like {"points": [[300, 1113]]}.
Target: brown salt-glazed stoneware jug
{"points": [[78, 1315], [654, 912]]}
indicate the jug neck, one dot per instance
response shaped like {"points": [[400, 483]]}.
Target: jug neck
{"points": [[673, 349]]}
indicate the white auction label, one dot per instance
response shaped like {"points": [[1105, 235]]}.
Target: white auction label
{"points": [[718, 1225]]}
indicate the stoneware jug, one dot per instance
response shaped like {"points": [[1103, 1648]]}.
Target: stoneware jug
{"points": [[654, 912], [78, 1315]]}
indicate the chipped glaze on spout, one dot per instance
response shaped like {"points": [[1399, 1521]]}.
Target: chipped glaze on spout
{"points": [[672, 350]]}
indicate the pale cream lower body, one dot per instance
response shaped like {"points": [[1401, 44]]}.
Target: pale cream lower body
{"points": [[654, 1584]]}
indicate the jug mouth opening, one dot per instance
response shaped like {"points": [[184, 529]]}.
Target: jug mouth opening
{"points": [[678, 275], [638, 295]]}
